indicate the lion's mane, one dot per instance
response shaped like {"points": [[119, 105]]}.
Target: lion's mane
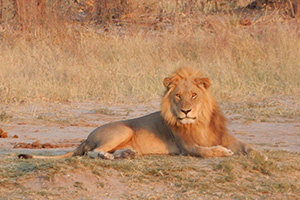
{"points": [[211, 121]]}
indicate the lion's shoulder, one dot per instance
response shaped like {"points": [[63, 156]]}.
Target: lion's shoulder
{"points": [[152, 120]]}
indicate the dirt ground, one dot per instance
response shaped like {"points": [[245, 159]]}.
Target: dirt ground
{"points": [[64, 126]]}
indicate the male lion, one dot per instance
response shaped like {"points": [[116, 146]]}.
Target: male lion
{"points": [[190, 123]]}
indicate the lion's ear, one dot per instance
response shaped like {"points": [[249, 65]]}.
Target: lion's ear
{"points": [[206, 82], [170, 82]]}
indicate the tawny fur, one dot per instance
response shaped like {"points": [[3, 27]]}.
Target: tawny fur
{"points": [[190, 123]]}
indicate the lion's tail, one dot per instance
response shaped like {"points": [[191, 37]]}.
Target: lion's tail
{"points": [[26, 156], [79, 151]]}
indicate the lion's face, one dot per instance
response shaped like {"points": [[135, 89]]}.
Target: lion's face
{"points": [[187, 99]]}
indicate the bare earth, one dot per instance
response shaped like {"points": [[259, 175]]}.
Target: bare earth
{"points": [[60, 124]]}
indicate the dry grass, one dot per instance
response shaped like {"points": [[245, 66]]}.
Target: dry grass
{"points": [[179, 177], [62, 61], [242, 62]]}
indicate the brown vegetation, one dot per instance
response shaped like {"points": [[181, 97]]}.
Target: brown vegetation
{"points": [[287, 8], [38, 145], [30, 13]]}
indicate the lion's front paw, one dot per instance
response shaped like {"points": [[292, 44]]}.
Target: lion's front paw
{"points": [[219, 151]]}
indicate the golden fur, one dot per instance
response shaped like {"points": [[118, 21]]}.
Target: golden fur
{"points": [[190, 123]]}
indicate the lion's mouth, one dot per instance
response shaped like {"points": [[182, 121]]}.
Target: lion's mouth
{"points": [[187, 120]]}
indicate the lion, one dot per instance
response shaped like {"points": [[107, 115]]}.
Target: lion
{"points": [[190, 123]]}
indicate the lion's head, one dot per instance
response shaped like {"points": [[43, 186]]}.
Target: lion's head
{"points": [[187, 99]]}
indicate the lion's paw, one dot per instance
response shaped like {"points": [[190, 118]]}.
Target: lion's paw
{"points": [[126, 153], [220, 151]]}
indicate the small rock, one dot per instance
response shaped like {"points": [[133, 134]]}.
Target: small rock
{"points": [[3, 135]]}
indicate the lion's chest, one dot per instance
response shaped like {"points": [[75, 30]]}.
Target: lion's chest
{"points": [[201, 137], [146, 142]]}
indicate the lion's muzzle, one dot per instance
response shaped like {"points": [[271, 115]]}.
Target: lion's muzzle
{"points": [[184, 117], [187, 120]]}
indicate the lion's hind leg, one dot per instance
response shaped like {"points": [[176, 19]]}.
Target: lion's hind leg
{"points": [[112, 138]]}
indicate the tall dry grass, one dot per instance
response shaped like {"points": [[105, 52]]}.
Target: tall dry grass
{"points": [[62, 61]]}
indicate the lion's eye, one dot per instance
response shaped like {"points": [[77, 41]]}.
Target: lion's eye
{"points": [[177, 96], [194, 95]]}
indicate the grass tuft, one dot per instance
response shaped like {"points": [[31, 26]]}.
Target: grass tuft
{"points": [[4, 116]]}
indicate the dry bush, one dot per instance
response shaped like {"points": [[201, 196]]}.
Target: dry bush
{"points": [[30, 13], [108, 10]]}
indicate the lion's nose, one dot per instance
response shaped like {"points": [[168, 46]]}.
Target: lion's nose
{"points": [[186, 111]]}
